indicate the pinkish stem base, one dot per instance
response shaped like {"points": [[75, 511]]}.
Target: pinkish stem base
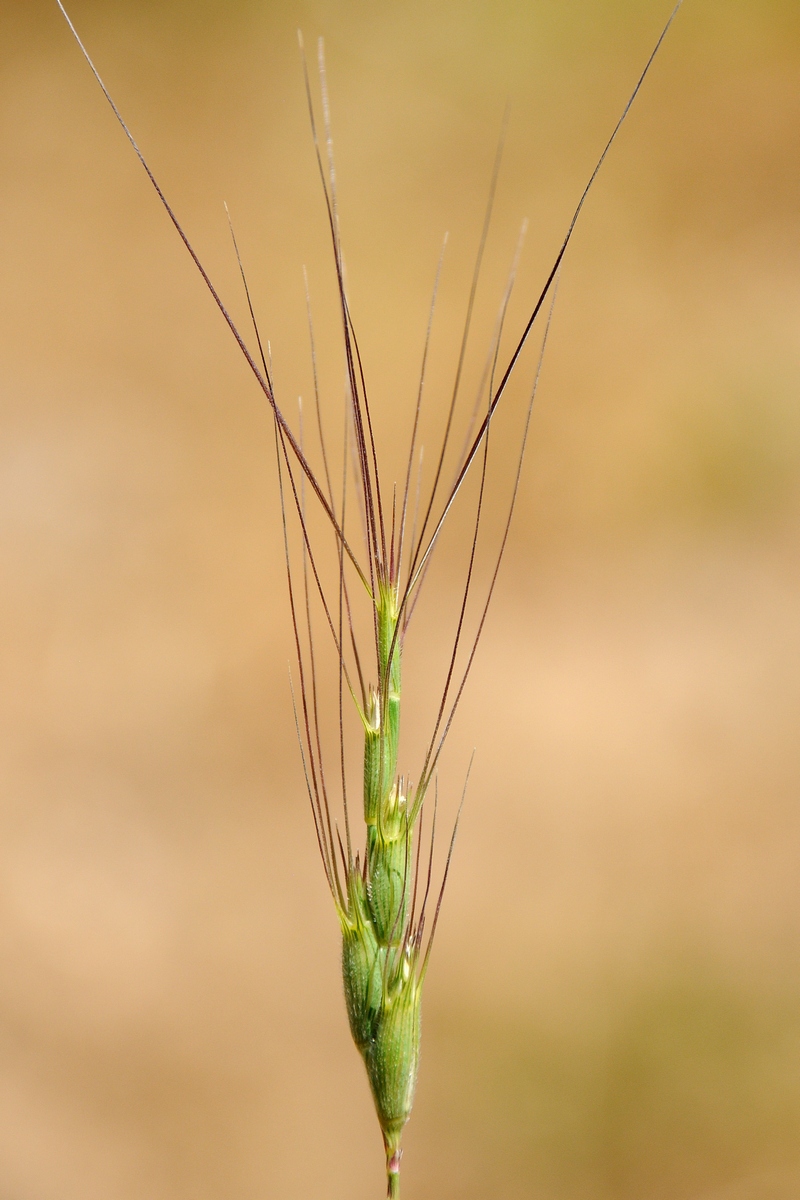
{"points": [[393, 1175]]}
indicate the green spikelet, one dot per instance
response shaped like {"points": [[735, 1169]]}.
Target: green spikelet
{"points": [[382, 718], [392, 1058], [363, 964], [372, 759], [389, 846]]}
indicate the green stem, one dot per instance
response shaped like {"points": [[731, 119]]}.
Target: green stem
{"points": [[393, 1174]]}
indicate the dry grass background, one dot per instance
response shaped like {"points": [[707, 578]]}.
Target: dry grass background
{"points": [[613, 1011]]}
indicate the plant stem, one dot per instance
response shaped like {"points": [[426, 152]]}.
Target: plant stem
{"points": [[393, 1175]]}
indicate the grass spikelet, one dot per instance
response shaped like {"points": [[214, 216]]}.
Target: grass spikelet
{"points": [[360, 588]]}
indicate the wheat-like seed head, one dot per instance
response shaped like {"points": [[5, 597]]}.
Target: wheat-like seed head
{"points": [[379, 888]]}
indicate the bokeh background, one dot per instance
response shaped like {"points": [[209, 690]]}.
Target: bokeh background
{"points": [[613, 1009]]}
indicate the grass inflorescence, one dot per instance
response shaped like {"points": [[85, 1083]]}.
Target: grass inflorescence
{"points": [[381, 879]]}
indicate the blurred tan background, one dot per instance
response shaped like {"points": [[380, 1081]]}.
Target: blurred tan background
{"points": [[613, 1009]]}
